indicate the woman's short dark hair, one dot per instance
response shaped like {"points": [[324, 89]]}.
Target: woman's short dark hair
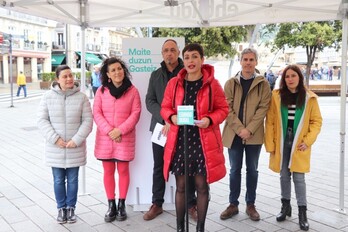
{"points": [[105, 66], [301, 89], [193, 47], [60, 68]]}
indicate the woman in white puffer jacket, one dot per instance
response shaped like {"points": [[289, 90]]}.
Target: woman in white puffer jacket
{"points": [[65, 120]]}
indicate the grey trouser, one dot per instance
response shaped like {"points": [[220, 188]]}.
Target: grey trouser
{"points": [[285, 174]]}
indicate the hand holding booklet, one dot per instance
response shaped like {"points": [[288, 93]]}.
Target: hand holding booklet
{"points": [[157, 136]]}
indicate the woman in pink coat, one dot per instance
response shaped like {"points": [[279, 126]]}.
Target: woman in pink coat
{"points": [[194, 85], [116, 112]]}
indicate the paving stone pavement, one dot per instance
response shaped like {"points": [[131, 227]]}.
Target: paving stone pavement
{"points": [[27, 200]]}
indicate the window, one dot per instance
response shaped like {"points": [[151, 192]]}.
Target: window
{"points": [[26, 39], [39, 40], [60, 39], [11, 29], [26, 33], [39, 36]]}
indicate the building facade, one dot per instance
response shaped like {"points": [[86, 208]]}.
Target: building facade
{"points": [[40, 45], [100, 43], [30, 38]]}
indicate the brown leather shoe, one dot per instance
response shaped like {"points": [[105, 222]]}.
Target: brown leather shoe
{"points": [[229, 212], [252, 213], [153, 212], [193, 213]]}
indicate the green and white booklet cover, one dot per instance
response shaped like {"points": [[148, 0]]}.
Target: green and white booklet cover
{"points": [[185, 115]]}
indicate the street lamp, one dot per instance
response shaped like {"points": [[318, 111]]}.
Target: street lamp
{"points": [[6, 41], [11, 77]]}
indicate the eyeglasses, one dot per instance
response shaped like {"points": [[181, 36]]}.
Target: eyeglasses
{"points": [[172, 50]]}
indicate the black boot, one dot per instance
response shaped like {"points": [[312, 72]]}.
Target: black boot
{"points": [[62, 216], [112, 211], [71, 216], [121, 213], [285, 211], [180, 225], [302, 218], [200, 226]]}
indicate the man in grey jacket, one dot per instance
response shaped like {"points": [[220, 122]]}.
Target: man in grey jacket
{"points": [[170, 66]]}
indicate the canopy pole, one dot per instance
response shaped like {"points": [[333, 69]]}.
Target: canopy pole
{"points": [[253, 37], [343, 103], [83, 76], [83, 19], [273, 60], [83, 60], [82, 89], [139, 32]]}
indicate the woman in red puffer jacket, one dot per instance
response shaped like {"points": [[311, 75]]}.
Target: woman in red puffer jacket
{"points": [[204, 145]]}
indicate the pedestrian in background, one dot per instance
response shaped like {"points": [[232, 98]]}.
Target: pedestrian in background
{"points": [[194, 85], [248, 95], [65, 120], [96, 82], [293, 123], [116, 111], [271, 78], [22, 84], [330, 73]]}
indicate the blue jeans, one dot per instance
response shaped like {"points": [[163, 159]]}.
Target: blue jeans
{"points": [[252, 154], [24, 89], [66, 194]]}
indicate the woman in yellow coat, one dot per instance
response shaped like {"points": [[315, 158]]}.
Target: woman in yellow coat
{"points": [[293, 123]]}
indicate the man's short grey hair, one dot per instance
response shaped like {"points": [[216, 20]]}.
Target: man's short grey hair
{"points": [[249, 50]]}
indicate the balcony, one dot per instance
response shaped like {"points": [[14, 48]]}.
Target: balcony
{"points": [[93, 48], [58, 46], [29, 45], [42, 46]]}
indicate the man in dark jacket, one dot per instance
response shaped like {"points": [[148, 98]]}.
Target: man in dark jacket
{"points": [[271, 79], [170, 66]]}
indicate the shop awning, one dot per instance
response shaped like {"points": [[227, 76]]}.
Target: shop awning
{"points": [[91, 58], [57, 59]]}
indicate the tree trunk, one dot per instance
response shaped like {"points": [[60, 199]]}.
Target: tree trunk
{"points": [[310, 50], [309, 65]]}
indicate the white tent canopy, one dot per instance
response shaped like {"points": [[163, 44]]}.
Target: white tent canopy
{"points": [[195, 13], [172, 13]]}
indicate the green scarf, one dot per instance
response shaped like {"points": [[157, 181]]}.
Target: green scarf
{"points": [[298, 114]]}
